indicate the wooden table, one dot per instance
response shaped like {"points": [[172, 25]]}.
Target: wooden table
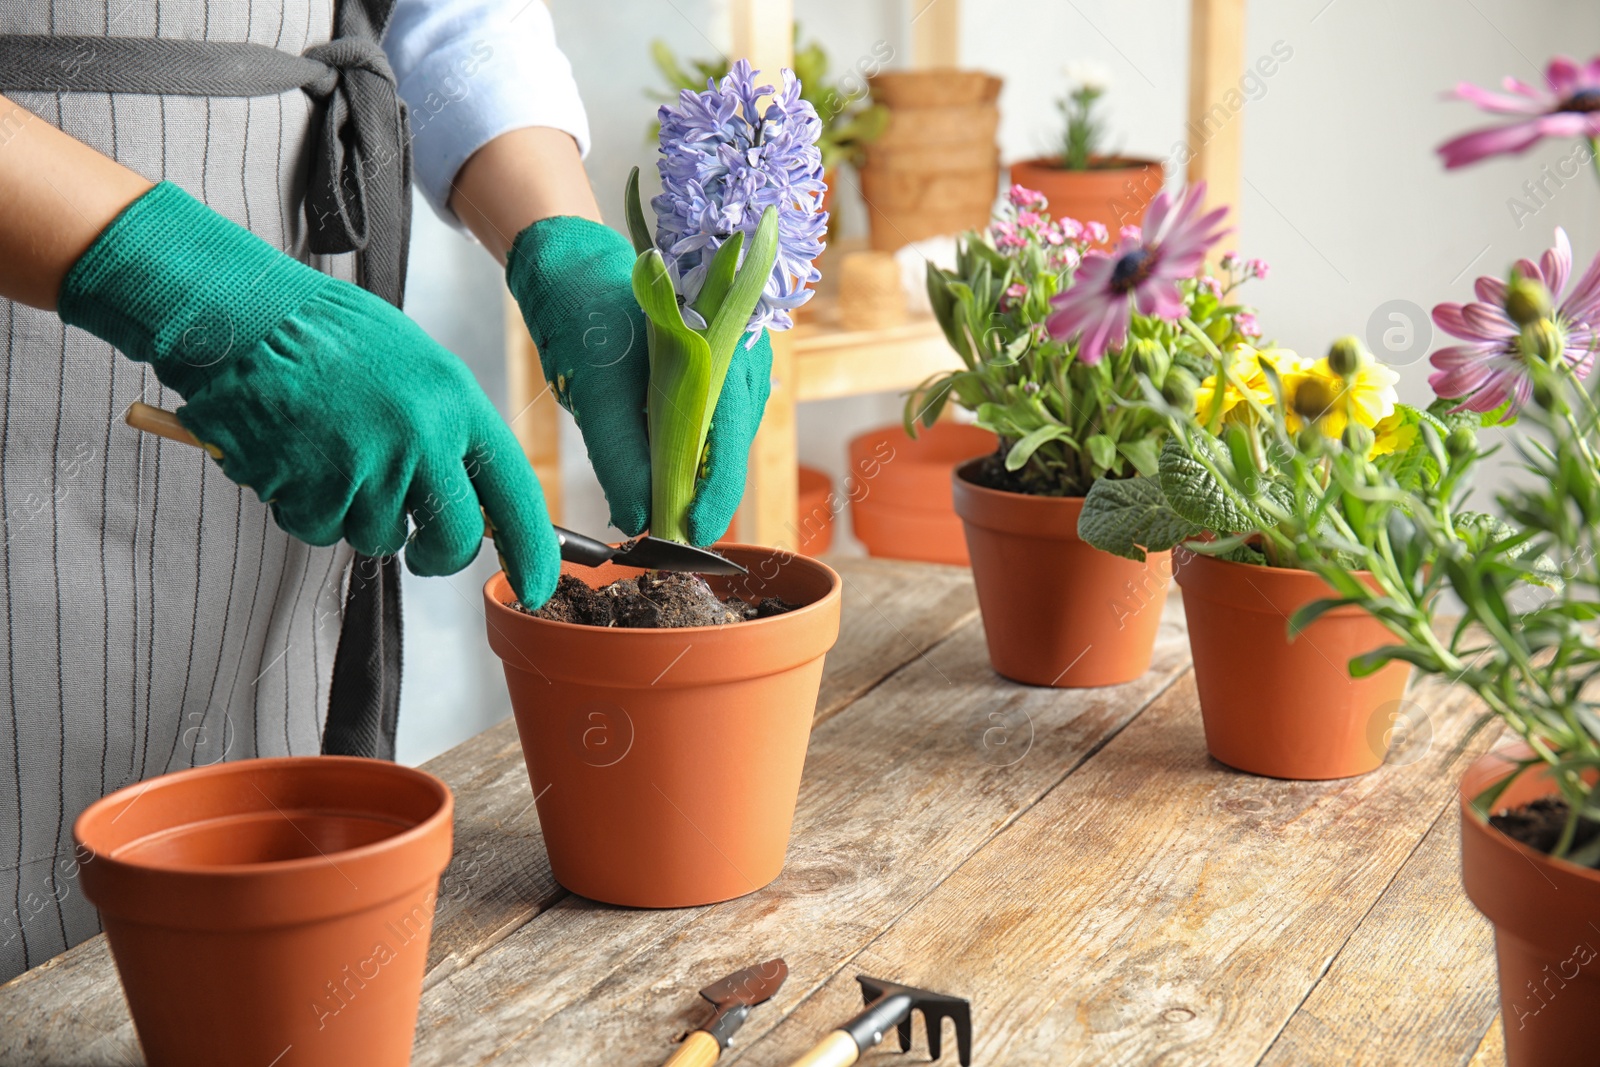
{"points": [[1100, 888]]}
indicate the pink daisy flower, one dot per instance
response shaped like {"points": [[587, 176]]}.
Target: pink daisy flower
{"points": [[1141, 274], [1490, 368], [1569, 108]]}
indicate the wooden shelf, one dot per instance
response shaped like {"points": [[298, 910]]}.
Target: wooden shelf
{"points": [[831, 362]]}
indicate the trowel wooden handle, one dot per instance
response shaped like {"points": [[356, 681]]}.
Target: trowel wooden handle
{"points": [[699, 1049], [838, 1049], [142, 416]]}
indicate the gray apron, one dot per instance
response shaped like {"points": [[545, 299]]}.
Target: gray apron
{"points": [[152, 615]]}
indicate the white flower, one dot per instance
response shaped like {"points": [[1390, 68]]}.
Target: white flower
{"points": [[1088, 75]]}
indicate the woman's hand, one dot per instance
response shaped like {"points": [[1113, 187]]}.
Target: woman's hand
{"points": [[330, 403]]}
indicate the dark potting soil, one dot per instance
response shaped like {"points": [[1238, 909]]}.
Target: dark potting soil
{"points": [[653, 600], [990, 472], [1538, 824]]}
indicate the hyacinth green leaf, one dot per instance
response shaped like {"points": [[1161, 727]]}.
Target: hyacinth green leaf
{"points": [[1130, 516], [719, 277], [678, 409], [638, 229], [733, 317]]}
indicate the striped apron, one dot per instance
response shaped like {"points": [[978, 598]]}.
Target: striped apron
{"points": [[152, 615]]}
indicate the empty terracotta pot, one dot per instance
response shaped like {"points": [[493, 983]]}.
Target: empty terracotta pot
{"points": [[1543, 910], [1115, 193], [1282, 708], [816, 511], [1056, 611], [900, 503], [666, 763], [270, 910]]}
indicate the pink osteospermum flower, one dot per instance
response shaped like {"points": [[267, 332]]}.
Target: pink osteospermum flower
{"points": [[1570, 107], [1489, 368], [1140, 274]]}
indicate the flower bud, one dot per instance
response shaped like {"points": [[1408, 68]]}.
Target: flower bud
{"points": [[1461, 443], [1310, 441], [1313, 397], [1358, 439], [1179, 388], [1545, 339], [1527, 301], [1346, 357], [1145, 356]]}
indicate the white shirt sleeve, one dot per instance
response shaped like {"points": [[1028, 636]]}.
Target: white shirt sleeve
{"points": [[470, 70]]}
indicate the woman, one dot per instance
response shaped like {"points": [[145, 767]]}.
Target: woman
{"points": [[167, 170]]}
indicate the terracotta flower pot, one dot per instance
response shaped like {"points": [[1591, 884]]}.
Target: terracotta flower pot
{"points": [[1056, 611], [1281, 708], [900, 505], [1544, 913], [271, 909], [666, 763], [816, 511], [1114, 194]]}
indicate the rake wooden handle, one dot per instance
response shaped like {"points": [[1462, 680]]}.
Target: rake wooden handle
{"points": [[699, 1049], [838, 1049]]}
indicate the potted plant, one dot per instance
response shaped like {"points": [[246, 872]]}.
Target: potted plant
{"points": [[1529, 591], [1078, 179], [1275, 468], [666, 762], [1062, 402], [264, 904]]}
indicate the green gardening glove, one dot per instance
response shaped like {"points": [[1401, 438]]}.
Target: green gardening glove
{"points": [[331, 404], [572, 278]]}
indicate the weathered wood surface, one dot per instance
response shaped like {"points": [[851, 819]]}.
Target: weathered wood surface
{"points": [[1416, 981], [1156, 907], [1072, 861], [499, 877]]}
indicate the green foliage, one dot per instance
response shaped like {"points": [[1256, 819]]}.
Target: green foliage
{"points": [[1063, 423], [1080, 140], [1131, 516]]}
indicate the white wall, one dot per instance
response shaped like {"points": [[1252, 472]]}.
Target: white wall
{"points": [[1343, 194]]}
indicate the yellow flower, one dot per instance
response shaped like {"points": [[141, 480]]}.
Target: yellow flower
{"points": [[1394, 434], [1333, 402], [1245, 362]]}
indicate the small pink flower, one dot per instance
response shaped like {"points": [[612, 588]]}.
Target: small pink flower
{"points": [[1098, 233], [1023, 197], [1247, 325], [1212, 286], [1052, 235], [1072, 228], [1068, 259], [1013, 296], [1131, 232], [1029, 219], [1256, 268], [1230, 260]]}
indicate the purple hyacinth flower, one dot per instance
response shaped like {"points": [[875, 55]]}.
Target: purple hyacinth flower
{"points": [[724, 161]]}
